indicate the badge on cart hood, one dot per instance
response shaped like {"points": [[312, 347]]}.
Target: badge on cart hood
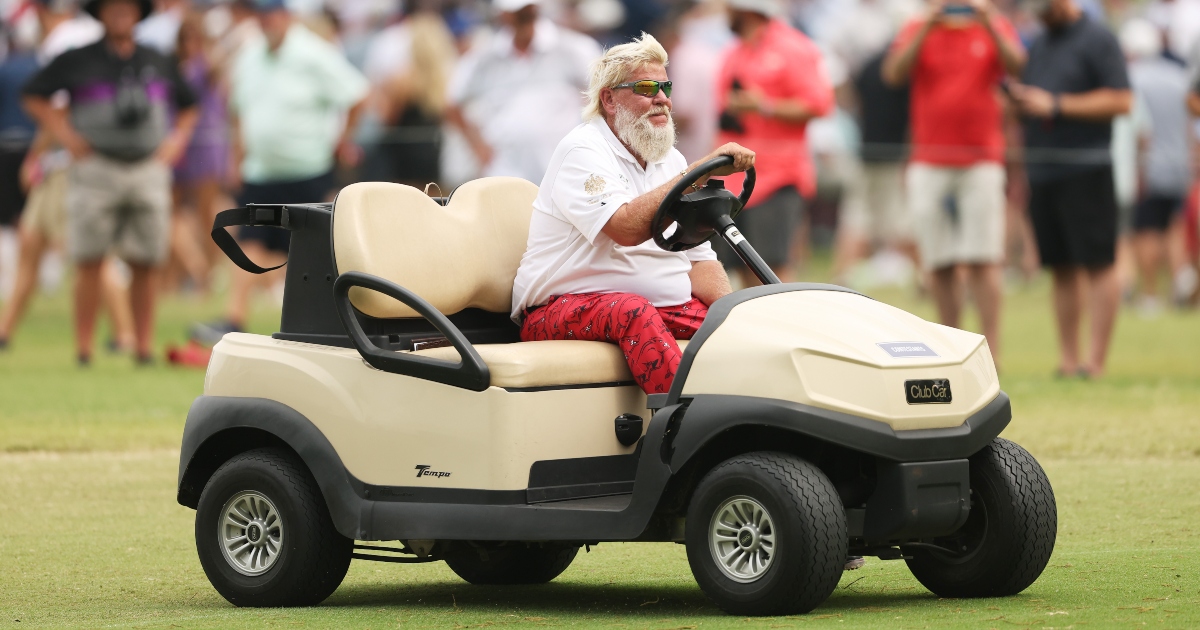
{"points": [[907, 349]]}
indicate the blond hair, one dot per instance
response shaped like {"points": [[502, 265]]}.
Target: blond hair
{"points": [[616, 65]]}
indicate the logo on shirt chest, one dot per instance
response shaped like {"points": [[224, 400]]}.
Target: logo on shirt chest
{"points": [[593, 185]]}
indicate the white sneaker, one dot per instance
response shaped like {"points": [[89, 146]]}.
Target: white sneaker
{"points": [[1148, 307]]}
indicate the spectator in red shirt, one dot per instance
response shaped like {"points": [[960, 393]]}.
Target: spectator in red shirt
{"points": [[954, 59], [770, 85]]}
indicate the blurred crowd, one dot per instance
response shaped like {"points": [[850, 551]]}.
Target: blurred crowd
{"points": [[949, 145]]}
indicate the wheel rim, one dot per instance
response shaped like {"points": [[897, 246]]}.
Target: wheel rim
{"points": [[742, 539], [250, 532]]}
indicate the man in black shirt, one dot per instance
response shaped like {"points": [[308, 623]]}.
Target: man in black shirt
{"points": [[874, 208], [119, 134], [1074, 85]]}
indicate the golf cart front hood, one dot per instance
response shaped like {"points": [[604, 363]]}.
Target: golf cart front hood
{"points": [[830, 349]]}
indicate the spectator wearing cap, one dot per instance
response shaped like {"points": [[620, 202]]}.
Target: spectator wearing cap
{"points": [[294, 105], [515, 96], [124, 144], [953, 59], [1075, 84], [770, 85]]}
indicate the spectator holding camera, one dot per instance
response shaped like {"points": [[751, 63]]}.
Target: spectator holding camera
{"points": [[954, 59], [123, 145], [1075, 84]]}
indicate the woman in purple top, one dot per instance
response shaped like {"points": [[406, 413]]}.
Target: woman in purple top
{"points": [[200, 172]]}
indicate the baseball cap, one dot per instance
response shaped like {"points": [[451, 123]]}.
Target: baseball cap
{"points": [[769, 8], [510, 6]]}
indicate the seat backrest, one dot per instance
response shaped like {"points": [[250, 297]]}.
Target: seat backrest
{"points": [[463, 255]]}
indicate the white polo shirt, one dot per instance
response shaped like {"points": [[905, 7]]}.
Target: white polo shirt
{"points": [[591, 176]]}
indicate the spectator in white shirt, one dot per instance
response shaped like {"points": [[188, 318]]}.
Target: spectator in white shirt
{"points": [[516, 95]]}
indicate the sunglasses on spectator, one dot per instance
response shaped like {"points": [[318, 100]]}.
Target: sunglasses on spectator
{"points": [[647, 87]]}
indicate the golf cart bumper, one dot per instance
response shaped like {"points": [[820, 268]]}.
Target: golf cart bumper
{"points": [[922, 483]]}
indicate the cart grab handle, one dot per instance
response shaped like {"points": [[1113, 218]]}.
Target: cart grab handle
{"points": [[469, 373]]}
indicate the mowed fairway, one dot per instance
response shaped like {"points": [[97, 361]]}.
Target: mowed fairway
{"points": [[91, 536]]}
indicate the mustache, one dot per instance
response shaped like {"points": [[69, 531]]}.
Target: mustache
{"points": [[662, 109]]}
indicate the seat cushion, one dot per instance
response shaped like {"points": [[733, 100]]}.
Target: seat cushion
{"points": [[548, 363]]}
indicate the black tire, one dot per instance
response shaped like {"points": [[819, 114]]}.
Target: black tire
{"points": [[809, 543], [312, 557], [509, 563], [1008, 537]]}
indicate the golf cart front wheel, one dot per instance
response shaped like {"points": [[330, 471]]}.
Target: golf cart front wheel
{"points": [[264, 534], [1008, 537], [766, 535], [509, 563]]}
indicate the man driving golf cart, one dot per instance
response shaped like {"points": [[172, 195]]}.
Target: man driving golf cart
{"points": [[591, 270]]}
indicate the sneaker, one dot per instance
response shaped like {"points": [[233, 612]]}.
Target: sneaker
{"points": [[1184, 287], [143, 360], [3, 344], [854, 562], [84, 360], [1148, 307], [191, 355], [210, 333]]}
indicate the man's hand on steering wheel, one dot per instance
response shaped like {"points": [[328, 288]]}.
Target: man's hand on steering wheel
{"points": [[743, 159]]}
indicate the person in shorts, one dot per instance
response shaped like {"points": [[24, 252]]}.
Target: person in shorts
{"points": [[770, 85], [874, 210], [1074, 85], [119, 184], [294, 105], [953, 59]]}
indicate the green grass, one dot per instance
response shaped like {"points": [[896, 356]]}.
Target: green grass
{"points": [[91, 536]]}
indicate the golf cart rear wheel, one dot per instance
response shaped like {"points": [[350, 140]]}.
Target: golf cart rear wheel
{"points": [[766, 535], [510, 563], [1008, 537], [264, 534]]}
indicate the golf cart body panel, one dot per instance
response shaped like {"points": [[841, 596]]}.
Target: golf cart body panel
{"points": [[826, 349], [385, 425]]}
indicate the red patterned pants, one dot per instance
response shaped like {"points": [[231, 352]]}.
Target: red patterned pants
{"points": [[644, 333]]}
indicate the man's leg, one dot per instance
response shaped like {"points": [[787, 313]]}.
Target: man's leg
{"points": [[987, 286], [33, 247], [947, 295], [1104, 300], [1148, 245], [1068, 306], [142, 296], [115, 300], [87, 303], [684, 321], [628, 320]]}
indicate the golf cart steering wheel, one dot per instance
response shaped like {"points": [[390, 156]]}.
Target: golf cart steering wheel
{"points": [[696, 214]]}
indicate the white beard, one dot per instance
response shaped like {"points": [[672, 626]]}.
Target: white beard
{"points": [[647, 141]]}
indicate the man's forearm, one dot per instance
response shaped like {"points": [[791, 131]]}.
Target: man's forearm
{"points": [[898, 65], [352, 117], [790, 111], [1098, 105], [54, 122], [709, 281], [630, 224], [1011, 55]]}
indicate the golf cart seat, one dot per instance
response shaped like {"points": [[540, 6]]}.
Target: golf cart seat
{"points": [[461, 256]]}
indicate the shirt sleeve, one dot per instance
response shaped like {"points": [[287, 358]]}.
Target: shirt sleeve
{"points": [[52, 78], [587, 190], [342, 83], [458, 91], [701, 253], [1107, 62]]}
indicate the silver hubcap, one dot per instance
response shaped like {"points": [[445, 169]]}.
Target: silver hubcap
{"points": [[251, 533], [742, 539]]}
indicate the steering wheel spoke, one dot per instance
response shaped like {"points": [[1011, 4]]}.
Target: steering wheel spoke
{"points": [[697, 215]]}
